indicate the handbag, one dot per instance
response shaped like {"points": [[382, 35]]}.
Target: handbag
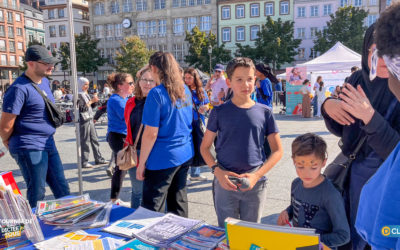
{"points": [[55, 115], [127, 157], [338, 170]]}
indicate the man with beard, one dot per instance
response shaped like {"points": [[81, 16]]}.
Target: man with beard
{"points": [[27, 131]]}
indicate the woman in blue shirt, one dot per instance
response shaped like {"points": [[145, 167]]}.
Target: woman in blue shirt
{"points": [[264, 88], [200, 107], [167, 147], [122, 83]]}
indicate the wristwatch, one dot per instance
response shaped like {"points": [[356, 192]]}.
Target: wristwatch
{"points": [[214, 167]]}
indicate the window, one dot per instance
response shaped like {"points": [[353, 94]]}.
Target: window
{"points": [[19, 31], [269, 9], [372, 2], [9, 17], [3, 59], [29, 23], [226, 34], [314, 11], [191, 23], [205, 23], [284, 10], [11, 46], [86, 30], [17, 17], [301, 53], [20, 45], [1, 16], [199, 2], [226, 12], [240, 11], [10, 32], [313, 32], [141, 28], [358, 3], [141, 5], [109, 31], [114, 7], [63, 30], [118, 30], [127, 7], [99, 9], [14, 4], [162, 27], [175, 3], [254, 10], [207, 1], [371, 19], [5, 3], [99, 31], [2, 45], [151, 27], [2, 33], [327, 9], [159, 4], [178, 52], [162, 47], [61, 13], [31, 37], [191, 3], [40, 25], [239, 33], [313, 53], [21, 60], [50, 14], [12, 60], [52, 30], [301, 11], [254, 32], [344, 3], [178, 26], [301, 32]]}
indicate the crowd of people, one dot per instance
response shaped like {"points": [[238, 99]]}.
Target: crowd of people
{"points": [[164, 108]]}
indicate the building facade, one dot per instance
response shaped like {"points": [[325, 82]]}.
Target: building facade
{"points": [[240, 20], [34, 26], [12, 41], [56, 27], [161, 24]]}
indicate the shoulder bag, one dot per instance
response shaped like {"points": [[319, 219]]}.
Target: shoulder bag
{"points": [[127, 157]]}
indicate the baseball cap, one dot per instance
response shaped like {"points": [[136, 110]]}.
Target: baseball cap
{"points": [[219, 67], [39, 53]]}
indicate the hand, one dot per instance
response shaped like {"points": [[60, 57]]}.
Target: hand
{"points": [[356, 103], [283, 218], [202, 109], [253, 178], [334, 108], [95, 99], [223, 180], [140, 172]]}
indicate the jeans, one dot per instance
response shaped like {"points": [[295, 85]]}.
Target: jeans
{"points": [[37, 168], [137, 187], [195, 171], [315, 105]]}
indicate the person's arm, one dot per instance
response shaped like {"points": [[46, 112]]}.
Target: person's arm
{"points": [[335, 116], [149, 137], [208, 85], [6, 126]]}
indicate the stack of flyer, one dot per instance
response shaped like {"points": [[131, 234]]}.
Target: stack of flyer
{"points": [[75, 212], [204, 237], [19, 226]]}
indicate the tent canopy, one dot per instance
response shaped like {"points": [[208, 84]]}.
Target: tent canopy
{"points": [[337, 58]]}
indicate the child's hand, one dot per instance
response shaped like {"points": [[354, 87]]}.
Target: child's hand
{"points": [[283, 218], [253, 178], [223, 180]]}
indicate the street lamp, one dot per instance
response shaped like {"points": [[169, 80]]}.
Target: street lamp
{"points": [[209, 53]]}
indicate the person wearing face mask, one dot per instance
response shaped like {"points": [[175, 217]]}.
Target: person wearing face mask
{"points": [[365, 109], [373, 222]]}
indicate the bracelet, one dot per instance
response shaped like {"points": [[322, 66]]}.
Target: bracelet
{"points": [[214, 167]]}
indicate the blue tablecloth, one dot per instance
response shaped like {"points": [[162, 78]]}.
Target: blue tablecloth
{"points": [[117, 213]]}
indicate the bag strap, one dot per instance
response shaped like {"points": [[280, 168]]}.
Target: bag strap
{"points": [[137, 136], [352, 156]]}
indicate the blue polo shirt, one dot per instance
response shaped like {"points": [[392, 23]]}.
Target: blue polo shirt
{"points": [[115, 114], [33, 129], [173, 145], [266, 88]]}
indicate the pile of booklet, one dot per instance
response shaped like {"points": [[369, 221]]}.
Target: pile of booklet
{"points": [[75, 212]]}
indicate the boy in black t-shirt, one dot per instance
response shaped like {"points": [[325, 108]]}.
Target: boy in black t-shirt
{"points": [[242, 127]]}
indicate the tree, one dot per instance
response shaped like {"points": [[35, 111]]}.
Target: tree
{"points": [[198, 55], [275, 44], [346, 26], [132, 56]]}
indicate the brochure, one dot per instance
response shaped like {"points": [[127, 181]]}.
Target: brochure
{"points": [[137, 245], [205, 236]]}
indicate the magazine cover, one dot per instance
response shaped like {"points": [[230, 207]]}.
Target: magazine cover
{"points": [[206, 236], [46, 207]]}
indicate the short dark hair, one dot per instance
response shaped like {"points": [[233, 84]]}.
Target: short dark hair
{"points": [[387, 31], [354, 69], [308, 144], [238, 62]]}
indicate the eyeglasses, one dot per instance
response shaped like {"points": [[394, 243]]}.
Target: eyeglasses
{"points": [[148, 81], [131, 83], [46, 64]]}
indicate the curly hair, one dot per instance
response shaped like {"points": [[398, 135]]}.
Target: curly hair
{"points": [[387, 32], [197, 83], [116, 79]]}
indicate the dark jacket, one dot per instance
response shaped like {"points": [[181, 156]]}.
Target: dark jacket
{"points": [[136, 120]]}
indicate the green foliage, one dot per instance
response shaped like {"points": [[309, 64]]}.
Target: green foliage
{"points": [[346, 26], [198, 55], [132, 56], [275, 44]]}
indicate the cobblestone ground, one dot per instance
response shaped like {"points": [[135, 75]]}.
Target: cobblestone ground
{"points": [[97, 183]]}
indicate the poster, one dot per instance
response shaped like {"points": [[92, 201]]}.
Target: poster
{"points": [[296, 75], [294, 99], [331, 79]]}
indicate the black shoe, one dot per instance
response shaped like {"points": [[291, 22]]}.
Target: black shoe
{"points": [[101, 162]]}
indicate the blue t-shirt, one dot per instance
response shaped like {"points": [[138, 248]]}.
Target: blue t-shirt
{"points": [[174, 144], [198, 104], [115, 113], [33, 128], [265, 97], [278, 86], [241, 135]]}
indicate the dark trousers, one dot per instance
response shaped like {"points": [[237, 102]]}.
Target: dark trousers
{"points": [[116, 142], [167, 186]]}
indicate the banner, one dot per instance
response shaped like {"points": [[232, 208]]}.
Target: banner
{"points": [[294, 99], [330, 79], [296, 75]]}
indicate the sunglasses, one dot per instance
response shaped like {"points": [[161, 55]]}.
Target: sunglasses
{"points": [[46, 64]]}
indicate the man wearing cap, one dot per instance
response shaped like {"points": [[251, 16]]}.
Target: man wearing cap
{"points": [[217, 84], [26, 130]]}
